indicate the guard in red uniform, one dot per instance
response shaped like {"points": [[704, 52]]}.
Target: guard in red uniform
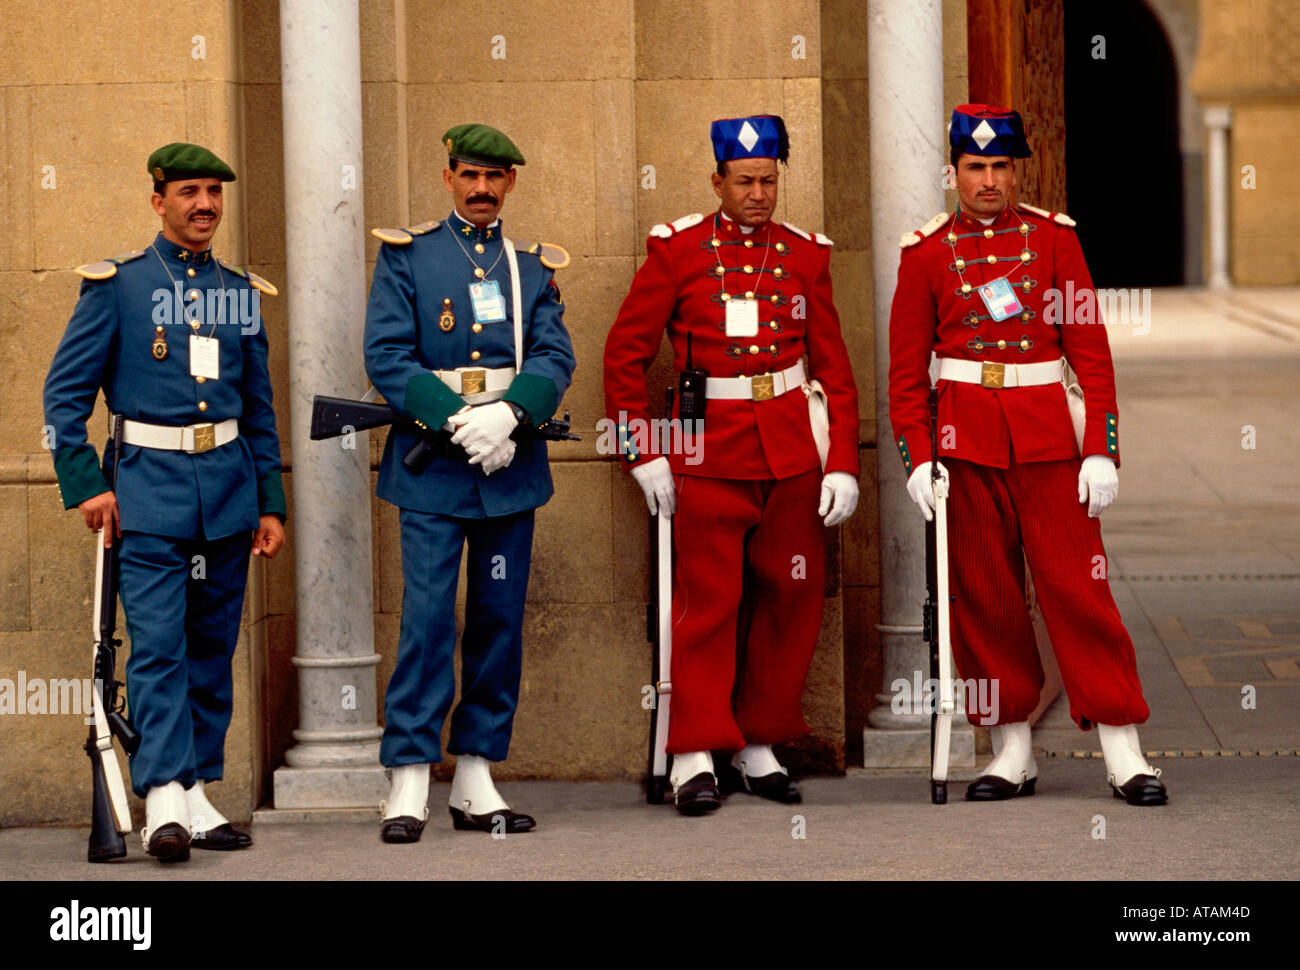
{"points": [[1001, 295], [746, 481]]}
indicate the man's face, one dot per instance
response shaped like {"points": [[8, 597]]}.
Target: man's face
{"points": [[479, 191], [191, 211], [984, 183], [748, 190]]}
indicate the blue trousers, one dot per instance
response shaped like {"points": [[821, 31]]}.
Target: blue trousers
{"points": [[423, 684], [183, 617]]}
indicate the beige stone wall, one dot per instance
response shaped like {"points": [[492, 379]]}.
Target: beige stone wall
{"points": [[86, 93], [1249, 59], [593, 94]]}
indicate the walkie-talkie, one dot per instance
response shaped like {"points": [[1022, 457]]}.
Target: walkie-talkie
{"points": [[692, 384]]}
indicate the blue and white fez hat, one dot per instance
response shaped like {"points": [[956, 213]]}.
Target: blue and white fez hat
{"points": [[758, 136], [986, 129]]}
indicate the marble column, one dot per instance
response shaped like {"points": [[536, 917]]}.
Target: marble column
{"points": [[908, 152], [335, 763], [1218, 118]]}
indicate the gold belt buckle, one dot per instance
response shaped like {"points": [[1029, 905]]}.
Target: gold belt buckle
{"points": [[992, 374], [473, 381], [205, 438], [761, 388]]}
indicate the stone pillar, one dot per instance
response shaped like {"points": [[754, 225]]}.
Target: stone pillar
{"points": [[1218, 118], [335, 763], [908, 151]]}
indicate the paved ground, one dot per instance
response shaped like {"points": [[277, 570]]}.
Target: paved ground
{"points": [[1205, 548]]}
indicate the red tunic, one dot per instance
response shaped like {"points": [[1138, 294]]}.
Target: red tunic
{"points": [[931, 312], [678, 287]]}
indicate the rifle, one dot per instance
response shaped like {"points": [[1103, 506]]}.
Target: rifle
{"points": [[659, 631], [110, 817], [936, 625], [333, 417]]}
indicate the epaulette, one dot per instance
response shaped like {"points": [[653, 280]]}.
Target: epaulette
{"points": [[666, 229], [816, 237], [1060, 218], [929, 229], [551, 255], [106, 268], [400, 237], [254, 280]]}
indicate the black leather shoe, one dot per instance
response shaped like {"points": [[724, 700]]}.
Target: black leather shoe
{"points": [[171, 843], [514, 821], [778, 786], [403, 828], [223, 838], [697, 796], [993, 788], [1142, 790]]}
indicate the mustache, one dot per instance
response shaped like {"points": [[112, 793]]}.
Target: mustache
{"points": [[487, 197], [203, 212]]}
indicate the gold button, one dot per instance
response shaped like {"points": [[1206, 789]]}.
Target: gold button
{"points": [[474, 355], [749, 294], [988, 233], [725, 297], [753, 348], [961, 264], [1111, 422], [478, 247], [715, 243], [478, 271], [1024, 229], [965, 287], [203, 405], [446, 302], [776, 300], [1025, 315], [992, 258], [720, 272], [778, 273], [158, 330], [194, 324], [780, 247], [191, 272], [1026, 285], [771, 349], [1024, 257], [477, 328], [1024, 345], [192, 295], [749, 244], [749, 268], [1002, 345], [952, 237], [200, 379], [773, 324]]}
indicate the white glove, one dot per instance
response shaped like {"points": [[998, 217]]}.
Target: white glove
{"points": [[839, 497], [656, 480], [498, 459], [1098, 483], [921, 489], [484, 429]]}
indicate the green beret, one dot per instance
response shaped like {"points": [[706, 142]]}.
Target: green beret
{"points": [[481, 145], [182, 161]]}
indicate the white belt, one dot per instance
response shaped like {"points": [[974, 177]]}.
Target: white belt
{"points": [[988, 373], [762, 387], [478, 385], [193, 438]]}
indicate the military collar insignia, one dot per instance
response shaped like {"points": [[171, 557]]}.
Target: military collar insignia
{"points": [[181, 254], [472, 232]]}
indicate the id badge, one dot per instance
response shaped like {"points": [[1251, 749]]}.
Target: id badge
{"points": [[205, 357], [742, 318], [485, 298], [1000, 299]]}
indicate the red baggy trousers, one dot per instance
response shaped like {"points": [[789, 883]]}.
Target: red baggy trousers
{"points": [[993, 513], [760, 542]]}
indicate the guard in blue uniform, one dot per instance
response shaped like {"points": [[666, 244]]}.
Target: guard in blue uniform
{"points": [[174, 337], [465, 335]]}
